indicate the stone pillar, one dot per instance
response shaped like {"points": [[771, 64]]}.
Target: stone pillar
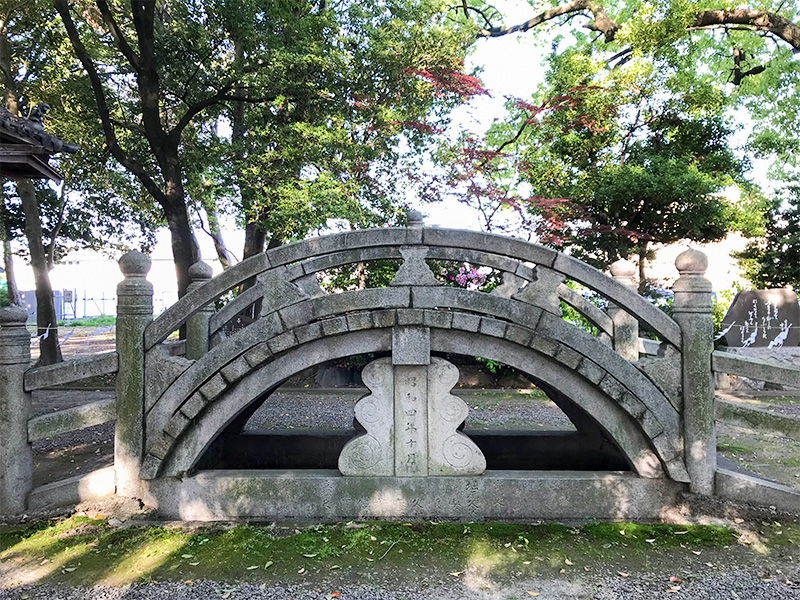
{"points": [[197, 325], [16, 460], [626, 327], [692, 311], [134, 313]]}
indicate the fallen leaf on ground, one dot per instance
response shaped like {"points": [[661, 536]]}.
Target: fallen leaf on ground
{"points": [[311, 555], [680, 532], [696, 552], [650, 540], [301, 571], [568, 562], [674, 579], [737, 520], [268, 564], [532, 593], [250, 568], [456, 573], [621, 574]]}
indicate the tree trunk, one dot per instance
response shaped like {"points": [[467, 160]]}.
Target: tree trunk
{"points": [[46, 325], [11, 278], [216, 234], [254, 240], [642, 262], [184, 245]]}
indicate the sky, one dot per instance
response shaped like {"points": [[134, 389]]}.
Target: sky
{"points": [[508, 66]]}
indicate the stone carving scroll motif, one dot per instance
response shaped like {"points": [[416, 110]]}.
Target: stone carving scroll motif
{"points": [[373, 452], [411, 421]]}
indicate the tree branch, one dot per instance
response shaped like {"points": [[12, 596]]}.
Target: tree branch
{"points": [[102, 106], [755, 20], [119, 37], [600, 21]]}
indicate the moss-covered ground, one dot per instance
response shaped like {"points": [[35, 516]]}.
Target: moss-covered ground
{"points": [[85, 551]]}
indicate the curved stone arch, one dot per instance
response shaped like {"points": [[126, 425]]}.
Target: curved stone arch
{"points": [[297, 252], [384, 307], [524, 272], [646, 459]]}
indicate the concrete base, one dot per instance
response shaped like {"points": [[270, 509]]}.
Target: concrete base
{"points": [[327, 495], [740, 487], [74, 490]]}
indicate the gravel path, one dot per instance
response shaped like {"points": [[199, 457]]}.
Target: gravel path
{"points": [[733, 586], [314, 408]]}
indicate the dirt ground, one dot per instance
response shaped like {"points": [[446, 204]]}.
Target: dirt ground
{"points": [[80, 341]]}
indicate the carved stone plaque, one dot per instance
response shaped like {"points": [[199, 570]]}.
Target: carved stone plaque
{"points": [[412, 423], [762, 319]]}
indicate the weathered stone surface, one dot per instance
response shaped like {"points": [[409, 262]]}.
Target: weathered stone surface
{"points": [[277, 291], [192, 407], [492, 327], [296, 315], [518, 335], [736, 362], [334, 326], [70, 371], [466, 321], [235, 370], [569, 357], [411, 345], [495, 244], [414, 270], [740, 487], [762, 319], [213, 388], [176, 425], [16, 460], [134, 318], [511, 285], [443, 319], [542, 291], [665, 372], [222, 495], [73, 490], [261, 353], [172, 318], [78, 417], [359, 320], [162, 370], [626, 327], [410, 316], [370, 298], [691, 309], [373, 452], [283, 342], [450, 451], [593, 314], [411, 420], [198, 325], [384, 318], [312, 331], [309, 285]]}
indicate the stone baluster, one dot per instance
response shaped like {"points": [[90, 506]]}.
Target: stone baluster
{"points": [[197, 326], [134, 314], [692, 311], [16, 462], [626, 327]]}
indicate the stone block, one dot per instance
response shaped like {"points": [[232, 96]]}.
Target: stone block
{"points": [[176, 425], [411, 345], [443, 319], [591, 371], [518, 335], [666, 447], [192, 407], [213, 387], [384, 318], [544, 345], [296, 315], [359, 320], [234, 371], [492, 327], [652, 427], [334, 326], [466, 321], [161, 445], [368, 299], [150, 467], [613, 388], [410, 316], [569, 358], [282, 342], [307, 333], [259, 354]]}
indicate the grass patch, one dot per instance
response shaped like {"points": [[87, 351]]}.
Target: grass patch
{"points": [[82, 551], [89, 321], [735, 448]]}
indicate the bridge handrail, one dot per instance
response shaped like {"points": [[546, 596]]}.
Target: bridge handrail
{"points": [[755, 368], [70, 371], [367, 240]]}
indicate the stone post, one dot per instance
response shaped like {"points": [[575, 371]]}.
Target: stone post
{"points": [[134, 313], [197, 324], [626, 327], [692, 311], [16, 459]]}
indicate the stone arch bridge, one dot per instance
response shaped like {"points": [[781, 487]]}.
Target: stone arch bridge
{"points": [[643, 409]]}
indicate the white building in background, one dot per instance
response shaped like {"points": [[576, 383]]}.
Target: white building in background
{"points": [[91, 277]]}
